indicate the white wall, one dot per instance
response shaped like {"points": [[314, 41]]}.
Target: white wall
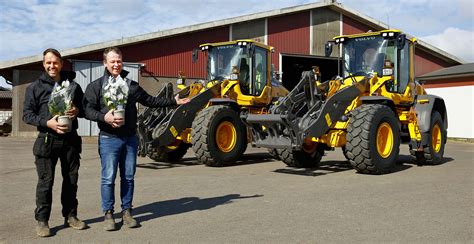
{"points": [[459, 103]]}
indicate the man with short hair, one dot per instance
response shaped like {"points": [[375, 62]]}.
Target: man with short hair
{"points": [[55, 141], [117, 139]]}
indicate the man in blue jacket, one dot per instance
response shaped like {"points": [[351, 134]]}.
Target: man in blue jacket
{"points": [[55, 141], [117, 138]]}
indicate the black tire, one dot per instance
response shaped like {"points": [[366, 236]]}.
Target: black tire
{"points": [[204, 135], [301, 159], [344, 152], [433, 153], [273, 152], [166, 154], [368, 123]]}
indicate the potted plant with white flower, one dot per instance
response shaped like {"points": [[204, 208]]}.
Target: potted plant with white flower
{"points": [[60, 101], [115, 94]]}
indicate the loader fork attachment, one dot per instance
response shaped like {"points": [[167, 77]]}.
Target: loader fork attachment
{"points": [[304, 113]]}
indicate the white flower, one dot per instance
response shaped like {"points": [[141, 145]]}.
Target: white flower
{"points": [[115, 92], [61, 97]]}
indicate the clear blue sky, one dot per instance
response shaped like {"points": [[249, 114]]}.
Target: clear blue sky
{"points": [[27, 27]]}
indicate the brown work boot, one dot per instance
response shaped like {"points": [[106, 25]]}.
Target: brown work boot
{"points": [[42, 229], [128, 220], [75, 223], [109, 222]]}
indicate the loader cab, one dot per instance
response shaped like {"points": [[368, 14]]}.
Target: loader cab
{"points": [[243, 60], [386, 54]]}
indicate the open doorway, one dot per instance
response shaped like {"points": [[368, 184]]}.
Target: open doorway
{"points": [[293, 65]]}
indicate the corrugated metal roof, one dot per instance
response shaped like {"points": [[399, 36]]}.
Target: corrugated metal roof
{"points": [[463, 70], [192, 28]]}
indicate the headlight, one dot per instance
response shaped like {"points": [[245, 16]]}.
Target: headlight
{"points": [[388, 34], [340, 40]]}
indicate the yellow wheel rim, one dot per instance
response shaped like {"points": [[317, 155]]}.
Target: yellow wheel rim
{"points": [[436, 138], [384, 140], [226, 136]]}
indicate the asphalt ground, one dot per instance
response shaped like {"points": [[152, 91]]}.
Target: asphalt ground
{"points": [[258, 201]]}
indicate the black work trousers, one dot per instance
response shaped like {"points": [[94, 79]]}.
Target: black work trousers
{"points": [[48, 149]]}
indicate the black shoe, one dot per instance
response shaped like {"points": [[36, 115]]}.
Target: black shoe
{"points": [[75, 223], [128, 220], [42, 229], [109, 222]]}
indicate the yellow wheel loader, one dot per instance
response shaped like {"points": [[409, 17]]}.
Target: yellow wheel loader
{"points": [[239, 79], [373, 106]]}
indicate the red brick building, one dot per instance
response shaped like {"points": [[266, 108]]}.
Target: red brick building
{"points": [[298, 35]]}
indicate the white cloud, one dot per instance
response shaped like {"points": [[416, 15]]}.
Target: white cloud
{"points": [[418, 17], [454, 41], [27, 27]]}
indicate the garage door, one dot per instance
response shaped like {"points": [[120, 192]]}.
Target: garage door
{"points": [[292, 67], [88, 71]]}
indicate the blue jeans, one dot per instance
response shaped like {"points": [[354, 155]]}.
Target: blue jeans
{"points": [[117, 152]]}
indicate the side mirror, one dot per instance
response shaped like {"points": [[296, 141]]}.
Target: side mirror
{"points": [[195, 55], [328, 49], [401, 39]]}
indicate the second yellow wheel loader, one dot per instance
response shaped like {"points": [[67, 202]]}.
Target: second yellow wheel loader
{"points": [[369, 110]]}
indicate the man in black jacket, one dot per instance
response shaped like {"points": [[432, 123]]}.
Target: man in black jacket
{"points": [[117, 139], [55, 141]]}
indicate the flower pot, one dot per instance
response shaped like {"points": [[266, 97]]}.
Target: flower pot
{"points": [[120, 114], [65, 121]]}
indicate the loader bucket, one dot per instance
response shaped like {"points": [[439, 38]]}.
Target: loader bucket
{"points": [[181, 117]]}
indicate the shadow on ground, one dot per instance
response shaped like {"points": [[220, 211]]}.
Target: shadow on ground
{"points": [[190, 161], [404, 162], [249, 158], [408, 159], [325, 167], [171, 207]]}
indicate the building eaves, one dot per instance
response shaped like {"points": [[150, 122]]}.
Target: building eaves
{"points": [[219, 23], [458, 71]]}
